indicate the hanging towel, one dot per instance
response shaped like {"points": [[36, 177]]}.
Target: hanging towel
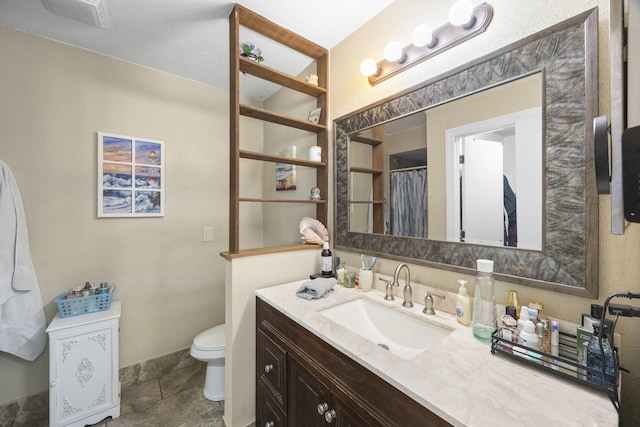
{"points": [[317, 288], [22, 320]]}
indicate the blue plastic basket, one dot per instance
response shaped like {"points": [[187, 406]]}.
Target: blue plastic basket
{"points": [[84, 305]]}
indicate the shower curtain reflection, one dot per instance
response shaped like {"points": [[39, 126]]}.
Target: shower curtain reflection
{"points": [[409, 202]]}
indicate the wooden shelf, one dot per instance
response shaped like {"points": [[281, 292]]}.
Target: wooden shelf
{"points": [[259, 24], [269, 116], [270, 250], [244, 154], [238, 67], [368, 202], [366, 170], [365, 140], [257, 69], [248, 199]]}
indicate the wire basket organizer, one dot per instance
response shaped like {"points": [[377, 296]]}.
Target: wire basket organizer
{"points": [[564, 364], [84, 305]]}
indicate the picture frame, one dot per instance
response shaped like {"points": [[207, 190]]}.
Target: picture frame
{"points": [[286, 178], [130, 176], [314, 115]]}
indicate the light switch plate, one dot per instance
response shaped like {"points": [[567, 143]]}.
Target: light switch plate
{"points": [[207, 234]]}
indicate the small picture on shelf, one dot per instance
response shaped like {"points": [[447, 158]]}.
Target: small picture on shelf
{"points": [[314, 115], [285, 173]]}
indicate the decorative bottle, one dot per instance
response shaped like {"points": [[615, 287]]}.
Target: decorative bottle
{"points": [[485, 317], [327, 269], [594, 359]]}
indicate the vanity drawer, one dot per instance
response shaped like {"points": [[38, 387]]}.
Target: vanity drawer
{"points": [[268, 412], [271, 367]]}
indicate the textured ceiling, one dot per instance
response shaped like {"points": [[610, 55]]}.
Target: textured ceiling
{"points": [[189, 38]]}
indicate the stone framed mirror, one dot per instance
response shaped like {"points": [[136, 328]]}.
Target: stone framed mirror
{"points": [[566, 258]]}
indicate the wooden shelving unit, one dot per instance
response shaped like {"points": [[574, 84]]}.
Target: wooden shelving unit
{"points": [[376, 171], [241, 16]]}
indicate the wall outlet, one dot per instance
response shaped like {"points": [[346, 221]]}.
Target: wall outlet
{"points": [[207, 234]]}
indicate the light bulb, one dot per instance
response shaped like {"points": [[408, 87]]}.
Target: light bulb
{"points": [[394, 53], [368, 67], [461, 13], [422, 36]]}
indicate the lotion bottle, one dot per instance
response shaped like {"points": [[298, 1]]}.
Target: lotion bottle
{"points": [[463, 304]]}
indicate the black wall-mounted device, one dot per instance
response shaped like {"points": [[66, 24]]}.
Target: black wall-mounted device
{"points": [[631, 173]]}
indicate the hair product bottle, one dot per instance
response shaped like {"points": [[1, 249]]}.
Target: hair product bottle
{"points": [[327, 269]]}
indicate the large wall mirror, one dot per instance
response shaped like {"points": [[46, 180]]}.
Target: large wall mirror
{"points": [[491, 160]]}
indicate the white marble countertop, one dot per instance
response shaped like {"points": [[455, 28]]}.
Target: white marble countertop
{"points": [[458, 379]]}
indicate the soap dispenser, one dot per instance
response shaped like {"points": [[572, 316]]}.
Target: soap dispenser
{"points": [[463, 304]]}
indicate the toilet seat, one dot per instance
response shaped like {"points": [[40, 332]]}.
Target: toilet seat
{"points": [[209, 344]]}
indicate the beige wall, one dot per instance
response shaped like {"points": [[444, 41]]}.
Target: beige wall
{"points": [[54, 100], [619, 269], [496, 102]]}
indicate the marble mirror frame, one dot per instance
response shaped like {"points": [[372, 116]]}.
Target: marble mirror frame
{"points": [[566, 54]]}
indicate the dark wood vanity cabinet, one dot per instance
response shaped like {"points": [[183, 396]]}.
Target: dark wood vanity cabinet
{"points": [[313, 403], [303, 381]]}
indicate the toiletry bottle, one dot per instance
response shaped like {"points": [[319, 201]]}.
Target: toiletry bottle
{"points": [[555, 343], [463, 304], [513, 305], [528, 335], [524, 315], [485, 317], [545, 341], [595, 357], [327, 270]]}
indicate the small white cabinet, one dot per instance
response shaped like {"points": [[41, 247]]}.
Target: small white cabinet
{"points": [[83, 368]]}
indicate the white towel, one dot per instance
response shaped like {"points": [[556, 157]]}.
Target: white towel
{"points": [[316, 288], [22, 320]]}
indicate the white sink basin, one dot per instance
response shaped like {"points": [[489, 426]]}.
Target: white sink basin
{"points": [[398, 332]]}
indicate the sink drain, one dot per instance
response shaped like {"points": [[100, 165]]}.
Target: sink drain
{"points": [[386, 347]]}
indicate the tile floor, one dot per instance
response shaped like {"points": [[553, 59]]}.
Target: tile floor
{"points": [[172, 400]]}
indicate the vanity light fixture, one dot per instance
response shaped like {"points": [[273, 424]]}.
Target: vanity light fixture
{"points": [[393, 52], [423, 36], [461, 13], [465, 22]]}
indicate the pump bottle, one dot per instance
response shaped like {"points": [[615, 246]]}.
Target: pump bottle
{"points": [[463, 304]]}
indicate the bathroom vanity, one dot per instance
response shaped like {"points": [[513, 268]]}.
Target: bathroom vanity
{"points": [[83, 368], [311, 370]]}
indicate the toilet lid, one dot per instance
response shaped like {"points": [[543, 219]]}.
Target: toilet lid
{"points": [[211, 339]]}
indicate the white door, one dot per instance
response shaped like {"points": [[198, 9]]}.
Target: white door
{"points": [[482, 192]]}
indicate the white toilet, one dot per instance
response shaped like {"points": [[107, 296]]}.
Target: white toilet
{"points": [[208, 346]]}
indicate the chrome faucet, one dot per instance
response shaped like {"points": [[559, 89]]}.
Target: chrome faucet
{"points": [[388, 289], [407, 285]]}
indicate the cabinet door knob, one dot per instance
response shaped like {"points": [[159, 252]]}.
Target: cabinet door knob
{"points": [[269, 424], [322, 408], [268, 368], [52, 384], [329, 416]]}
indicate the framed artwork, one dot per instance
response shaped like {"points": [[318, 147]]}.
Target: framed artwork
{"points": [[130, 176], [314, 115], [286, 173]]}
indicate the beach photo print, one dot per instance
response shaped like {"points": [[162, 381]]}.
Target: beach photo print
{"points": [[130, 176]]}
